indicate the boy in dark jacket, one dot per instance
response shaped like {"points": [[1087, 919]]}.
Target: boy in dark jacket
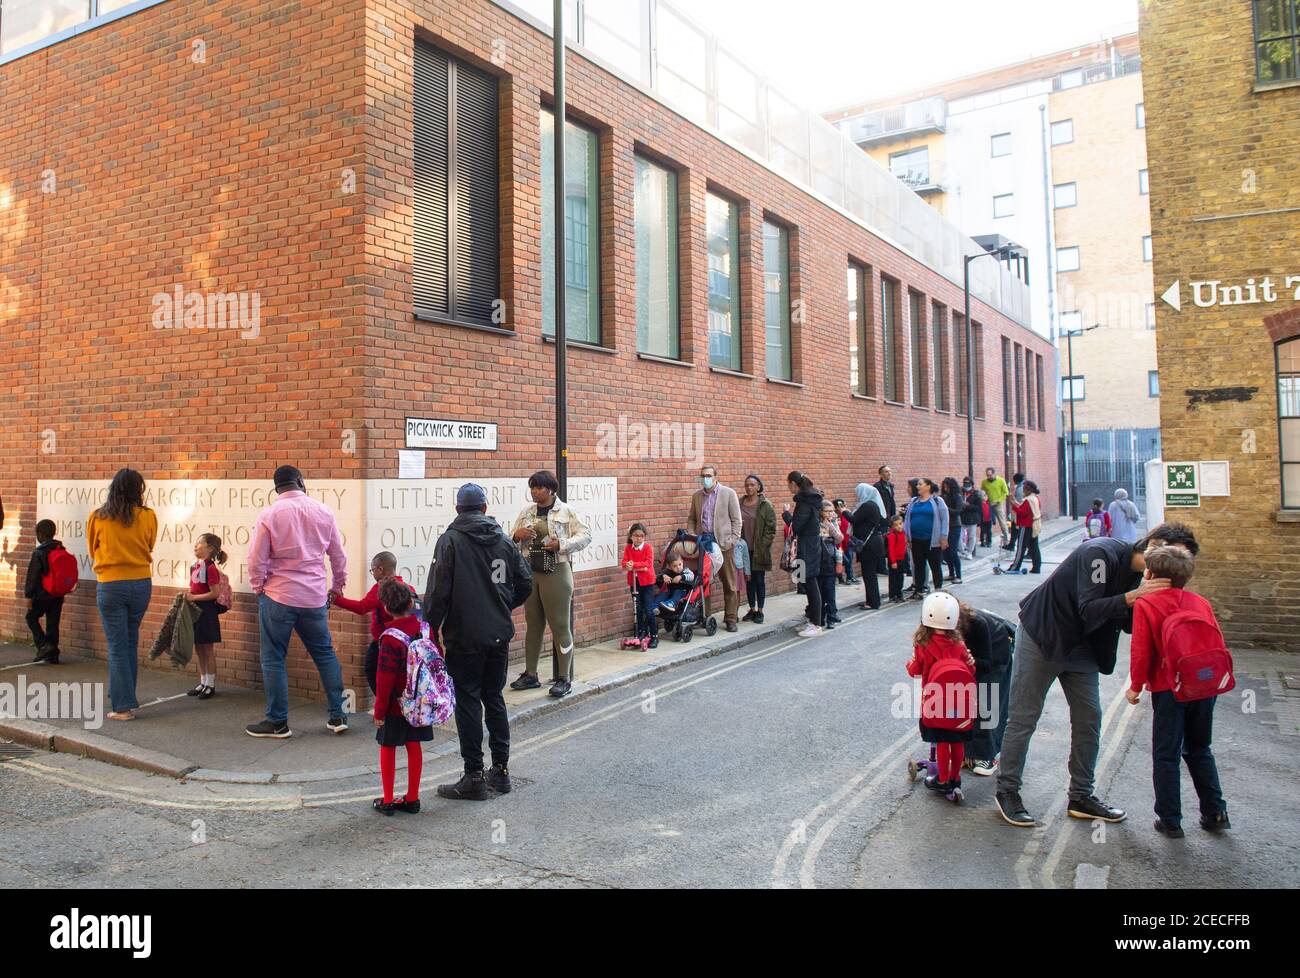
{"points": [[478, 579], [44, 605]]}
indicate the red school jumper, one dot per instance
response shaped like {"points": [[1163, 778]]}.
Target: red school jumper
{"points": [[643, 564], [390, 681], [942, 645], [371, 605]]}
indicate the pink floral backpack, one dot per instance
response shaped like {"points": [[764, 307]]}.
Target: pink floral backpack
{"points": [[429, 697]]}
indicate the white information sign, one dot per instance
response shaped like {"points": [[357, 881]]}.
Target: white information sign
{"points": [[1214, 479], [410, 464]]}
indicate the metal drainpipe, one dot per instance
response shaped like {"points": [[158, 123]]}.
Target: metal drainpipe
{"points": [[1051, 260]]}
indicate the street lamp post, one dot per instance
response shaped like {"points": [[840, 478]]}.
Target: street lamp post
{"points": [[557, 228], [1069, 358], [1002, 254]]}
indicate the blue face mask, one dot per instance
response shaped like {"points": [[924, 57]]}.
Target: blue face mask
{"points": [[707, 481]]}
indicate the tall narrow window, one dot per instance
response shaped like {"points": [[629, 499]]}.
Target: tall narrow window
{"points": [[581, 232], [776, 300], [1288, 412], [657, 313], [977, 341], [1006, 380], [1144, 182], [1038, 390], [723, 234], [891, 348], [1020, 386], [1146, 247], [1030, 405], [941, 364], [917, 331], [862, 352], [455, 272], [959, 361]]}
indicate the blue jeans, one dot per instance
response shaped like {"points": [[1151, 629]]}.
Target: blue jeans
{"points": [[277, 621], [952, 556], [122, 605], [1183, 730]]}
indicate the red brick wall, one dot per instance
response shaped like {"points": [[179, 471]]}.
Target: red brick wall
{"points": [[227, 175]]}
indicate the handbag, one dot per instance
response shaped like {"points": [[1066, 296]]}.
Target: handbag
{"points": [[789, 553], [541, 560]]}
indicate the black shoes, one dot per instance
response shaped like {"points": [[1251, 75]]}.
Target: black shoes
{"points": [[1012, 810], [758, 618], [1168, 831], [471, 787], [730, 626], [654, 642], [1218, 822], [561, 688], [384, 807], [202, 692], [748, 615], [1093, 807], [196, 690], [336, 725], [498, 779], [265, 728], [398, 805], [526, 681]]}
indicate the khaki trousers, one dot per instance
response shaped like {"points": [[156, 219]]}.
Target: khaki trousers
{"points": [[549, 604]]}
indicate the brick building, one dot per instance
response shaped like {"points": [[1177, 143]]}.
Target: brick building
{"points": [[1223, 107], [242, 233]]}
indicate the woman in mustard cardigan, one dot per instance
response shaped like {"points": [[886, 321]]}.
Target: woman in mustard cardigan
{"points": [[121, 535]]}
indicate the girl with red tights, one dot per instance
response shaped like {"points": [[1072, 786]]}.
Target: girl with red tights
{"points": [[390, 681], [938, 638]]}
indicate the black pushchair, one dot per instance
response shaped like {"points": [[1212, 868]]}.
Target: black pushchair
{"points": [[688, 612]]}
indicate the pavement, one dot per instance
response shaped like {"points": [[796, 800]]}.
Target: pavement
{"points": [[182, 737], [779, 764]]}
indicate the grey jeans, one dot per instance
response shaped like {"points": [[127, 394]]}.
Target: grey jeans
{"points": [[1031, 677]]}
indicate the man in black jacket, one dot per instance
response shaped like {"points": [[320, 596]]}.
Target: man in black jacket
{"points": [[477, 579], [886, 489], [1069, 632]]}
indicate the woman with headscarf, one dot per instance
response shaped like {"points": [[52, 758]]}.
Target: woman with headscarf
{"points": [[867, 525], [1124, 518]]}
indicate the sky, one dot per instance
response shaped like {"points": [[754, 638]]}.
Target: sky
{"points": [[825, 54]]}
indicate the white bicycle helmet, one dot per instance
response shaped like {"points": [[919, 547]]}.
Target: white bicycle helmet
{"points": [[940, 610]]}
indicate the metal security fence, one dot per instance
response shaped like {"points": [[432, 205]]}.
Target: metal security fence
{"points": [[1112, 458]]}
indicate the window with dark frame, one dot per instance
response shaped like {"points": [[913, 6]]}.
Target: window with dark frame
{"points": [[959, 361], [658, 316], [1038, 389], [776, 301], [940, 328], [1000, 144], [456, 218], [918, 348], [1018, 367], [1072, 388], [862, 349], [1030, 419], [1288, 419], [581, 231], [722, 241], [1006, 381], [1277, 41], [977, 342], [891, 339]]}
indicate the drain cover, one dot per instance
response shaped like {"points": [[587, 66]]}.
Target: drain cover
{"points": [[11, 752]]}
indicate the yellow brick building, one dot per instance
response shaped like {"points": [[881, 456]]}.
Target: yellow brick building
{"points": [[1222, 95]]}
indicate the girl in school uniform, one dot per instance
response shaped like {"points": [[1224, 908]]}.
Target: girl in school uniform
{"points": [[204, 578]]}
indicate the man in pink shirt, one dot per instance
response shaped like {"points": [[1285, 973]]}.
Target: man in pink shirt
{"points": [[286, 567]]}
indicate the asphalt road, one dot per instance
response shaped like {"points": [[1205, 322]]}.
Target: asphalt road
{"points": [[778, 764]]}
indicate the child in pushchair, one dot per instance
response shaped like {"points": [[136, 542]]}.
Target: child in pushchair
{"points": [[685, 582]]}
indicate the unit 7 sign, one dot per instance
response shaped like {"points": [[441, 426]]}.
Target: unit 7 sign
{"points": [[1212, 292], [474, 436]]}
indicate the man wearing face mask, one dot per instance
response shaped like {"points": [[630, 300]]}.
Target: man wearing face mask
{"points": [[715, 509]]}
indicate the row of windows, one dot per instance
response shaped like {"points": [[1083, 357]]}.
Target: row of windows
{"points": [[456, 270], [1022, 387], [456, 264], [1062, 132], [1063, 195], [1070, 259], [1072, 388], [1072, 322], [926, 358]]}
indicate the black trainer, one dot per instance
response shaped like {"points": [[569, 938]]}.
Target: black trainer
{"points": [[336, 725], [471, 787], [526, 681], [758, 617], [748, 615], [498, 779], [1218, 822], [1012, 809], [1167, 830], [265, 728], [1093, 807], [561, 688]]}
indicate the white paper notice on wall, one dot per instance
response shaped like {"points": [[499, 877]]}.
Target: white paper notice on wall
{"points": [[1214, 479], [410, 464]]}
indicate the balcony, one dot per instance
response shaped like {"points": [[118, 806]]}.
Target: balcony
{"points": [[912, 119], [923, 178]]}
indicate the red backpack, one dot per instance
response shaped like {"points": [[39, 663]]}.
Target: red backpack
{"points": [[61, 578], [1197, 664], [948, 700]]}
